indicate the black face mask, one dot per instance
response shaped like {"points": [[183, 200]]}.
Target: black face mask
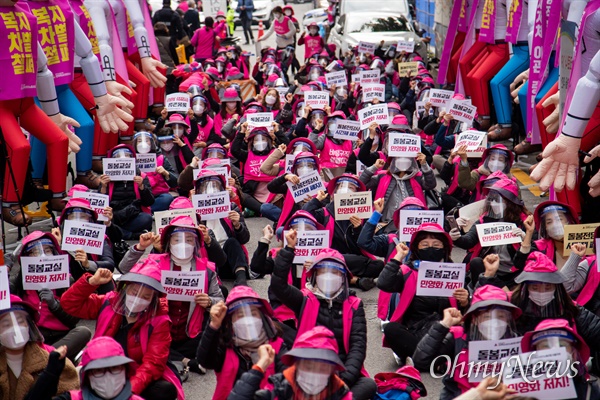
{"points": [[431, 254]]}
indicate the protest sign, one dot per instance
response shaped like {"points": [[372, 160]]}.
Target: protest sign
{"points": [[183, 286], [178, 102], [410, 220], [119, 169], [316, 100], [440, 279], [407, 69], [146, 162], [373, 91], [337, 78], [98, 201], [403, 145], [472, 139], [471, 212], [420, 107], [370, 76], [580, 233], [309, 245], [366, 47], [497, 233], [440, 97], [84, 236], [375, 113], [282, 92], [355, 78], [360, 167], [462, 110], [47, 272], [4, 288], [259, 119], [353, 203], [407, 45], [212, 205], [346, 130], [289, 162], [485, 356], [331, 65], [542, 374], [164, 218], [309, 185], [478, 153]]}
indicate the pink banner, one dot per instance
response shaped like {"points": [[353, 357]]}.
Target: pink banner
{"points": [[56, 35], [547, 20], [449, 41], [118, 56], [86, 24], [488, 22], [469, 40], [463, 17], [514, 21], [18, 54]]}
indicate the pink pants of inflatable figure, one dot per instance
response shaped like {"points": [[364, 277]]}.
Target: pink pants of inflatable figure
{"points": [[33, 119]]}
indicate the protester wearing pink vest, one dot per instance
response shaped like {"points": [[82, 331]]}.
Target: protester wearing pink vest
{"points": [[205, 40], [236, 331], [283, 26], [136, 315], [313, 371], [327, 301], [313, 42], [490, 317], [334, 153]]}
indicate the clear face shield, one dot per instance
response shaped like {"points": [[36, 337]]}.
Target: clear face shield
{"points": [[312, 376], [329, 278], [134, 299], [403, 164], [17, 329], [302, 224], [261, 143], [496, 161], [183, 244], [346, 186], [40, 248], [314, 73], [496, 205], [313, 31], [492, 324], [143, 144], [392, 112], [554, 219], [361, 58], [304, 167], [216, 153], [79, 214], [323, 61], [209, 185], [178, 130], [198, 106], [301, 147], [122, 153], [554, 339], [300, 111], [341, 92], [247, 320], [332, 127], [166, 143], [316, 115]]}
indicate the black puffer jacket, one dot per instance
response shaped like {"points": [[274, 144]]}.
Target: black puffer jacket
{"points": [[246, 388], [329, 317], [124, 201]]}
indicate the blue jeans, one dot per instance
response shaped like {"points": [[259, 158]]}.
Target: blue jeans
{"points": [[270, 211], [500, 84], [162, 202], [134, 227], [550, 81]]}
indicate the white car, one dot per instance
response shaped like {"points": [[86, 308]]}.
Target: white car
{"points": [[373, 27], [262, 11], [318, 16]]}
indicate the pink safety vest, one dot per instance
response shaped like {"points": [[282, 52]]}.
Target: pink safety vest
{"points": [[205, 130], [310, 312], [196, 317], [591, 283], [157, 181], [335, 155], [78, 395], [384, 183], [460, 345], [283, 312], [281, 28], [106, 315], [226, 378], [252, 168], [454, 183], [312, 45], [47, 319], [384, 298]]}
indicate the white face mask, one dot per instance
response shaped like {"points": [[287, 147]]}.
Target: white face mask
{"points": [[303, 171], [541, 298], [178, 130], [260, 145], [143, 147], [278, 16], [496, 165], [270, 100], [247, 328], [198, 109], [492, 329], [311, 383], [341, 92], [182, 251], [331, 129], [220, 67], [313, 32], [403, 164], [167, 146], [288, 13], [135, 304], [314, 76], [11, 339], [498, 207], [108, 386], [556, 232], [329, 283], [389, 69]]}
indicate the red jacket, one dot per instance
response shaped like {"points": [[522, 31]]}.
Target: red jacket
{"points": [[81, 301]]}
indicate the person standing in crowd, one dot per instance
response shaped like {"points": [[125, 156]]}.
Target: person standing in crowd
{"points": [[245, 9], [205, 40], [192, 17], [284, 28]]}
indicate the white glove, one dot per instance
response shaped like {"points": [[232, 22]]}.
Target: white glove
{"points": [[518, 232], [65, 123], [455, 234], [116, 89], [462, 222], [110, 116], [560, 164], [150, 70]]}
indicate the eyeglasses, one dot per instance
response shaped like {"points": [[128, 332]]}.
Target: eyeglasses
{"points": [[98, 372]]}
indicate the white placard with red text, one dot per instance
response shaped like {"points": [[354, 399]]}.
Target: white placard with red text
{"points": [[337, 78], [375, 113], [366, 47], [353, 203], [309, 185], [98, 201], [84, 236], [347, 130], [370, 76], [212, 205], [177, 102], [183, 286], [316, 100], [496, 233], [146, 162], [4, 288], [47, 272], [486, 355], [472, 139], [309, 245], [372, 91], [119, 169], [410, 220], [260, 119], [440, 97], [407, 45], [462, 110], [403, 145], [440, 279]]}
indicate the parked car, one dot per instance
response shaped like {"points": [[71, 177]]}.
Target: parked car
{"points": [[398, 7], [318, 15], [373, 27], [262, 12]]}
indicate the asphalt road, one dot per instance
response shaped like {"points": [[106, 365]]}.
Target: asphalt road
{"points": [[378, 358]]}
